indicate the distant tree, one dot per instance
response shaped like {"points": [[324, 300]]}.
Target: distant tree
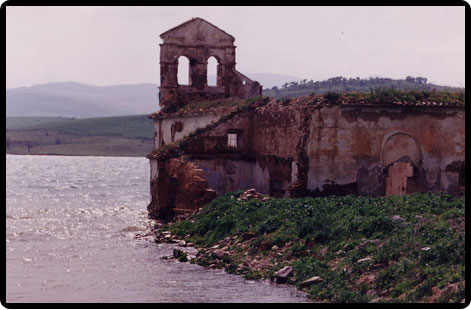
{"points": [[285, 85], [421, 80], [274, 88], [336, 80], [410, 79]]}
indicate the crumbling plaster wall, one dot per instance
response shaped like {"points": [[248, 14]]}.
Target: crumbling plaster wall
{"points": [[263, 159], [345, 140], [286, 150], [170, 130], [334, 149], [226, 175]]}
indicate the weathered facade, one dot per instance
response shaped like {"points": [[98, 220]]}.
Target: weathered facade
{"points": [[307, 147], [198, 40], [310, 147]]}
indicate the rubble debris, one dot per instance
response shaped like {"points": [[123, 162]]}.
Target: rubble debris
{"points": [[251, 194]]}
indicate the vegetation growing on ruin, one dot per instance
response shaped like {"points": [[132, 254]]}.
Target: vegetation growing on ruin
{"points": [[386, 249], [176, 149], [390, 95], [374, 96], [206, 105], [341, 84]]}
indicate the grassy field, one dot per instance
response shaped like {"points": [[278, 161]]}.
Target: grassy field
{"points": [[386, 249], [17, 122], [107, 136]]}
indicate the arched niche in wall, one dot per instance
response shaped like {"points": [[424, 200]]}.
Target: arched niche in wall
{"points": [[402, 156], [183, 71], [398, 144]]}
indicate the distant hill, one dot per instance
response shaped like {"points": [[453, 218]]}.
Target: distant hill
{"points": [[71, 99], [341, 84], [105, 136]]}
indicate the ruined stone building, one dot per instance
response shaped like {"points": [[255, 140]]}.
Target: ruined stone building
{"points": [[210, 140], [198, 40]]}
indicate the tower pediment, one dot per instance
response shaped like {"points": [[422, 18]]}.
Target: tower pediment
{"points": [[197, 31]]}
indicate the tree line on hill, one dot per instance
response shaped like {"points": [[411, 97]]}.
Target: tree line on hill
{"points": [[342, 84]]}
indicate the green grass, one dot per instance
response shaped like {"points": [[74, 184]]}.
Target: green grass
{"points": [[104, 136], [17, 122], [107, 136], [134, 126], [409, 258], [61, 144]]}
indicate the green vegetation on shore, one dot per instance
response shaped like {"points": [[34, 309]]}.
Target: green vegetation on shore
{"points": [[104, 136], [386, 249]]}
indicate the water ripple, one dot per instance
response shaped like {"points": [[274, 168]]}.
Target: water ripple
{"points": [[71, 223]]}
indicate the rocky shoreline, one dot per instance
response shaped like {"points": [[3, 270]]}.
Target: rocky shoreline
{"points": [[221, 255]]}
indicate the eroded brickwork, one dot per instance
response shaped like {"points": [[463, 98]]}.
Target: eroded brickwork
{"points": [[198, 40]]}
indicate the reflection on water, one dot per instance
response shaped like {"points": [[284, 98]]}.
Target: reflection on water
{"points": [[70, 227]]}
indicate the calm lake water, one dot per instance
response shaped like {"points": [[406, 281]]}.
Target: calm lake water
{"points": [[70, 228]]}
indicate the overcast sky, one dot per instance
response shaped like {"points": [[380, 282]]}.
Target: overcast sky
{"points": [[120, 45]]}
